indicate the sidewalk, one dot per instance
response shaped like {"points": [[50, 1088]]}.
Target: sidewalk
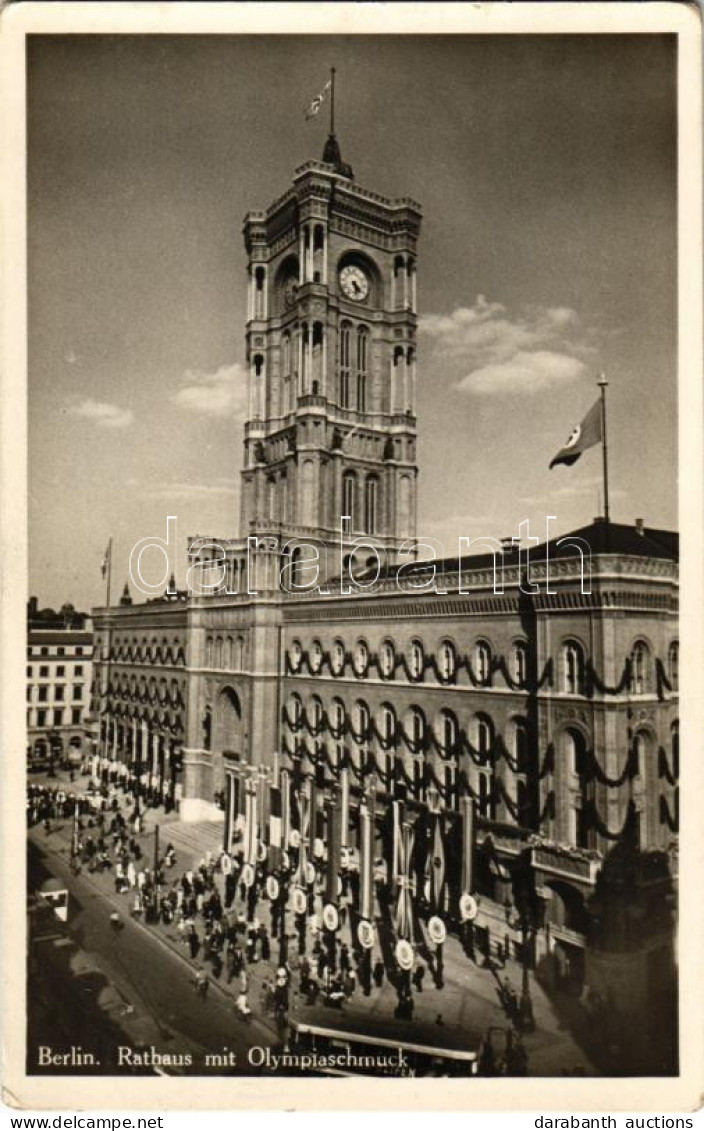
{"points": [[468, 1003]]}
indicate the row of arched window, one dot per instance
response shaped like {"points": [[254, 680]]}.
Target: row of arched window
{"points": [[154, 651], [363, 512], [224, 652], [416, 663], [354, 363]]}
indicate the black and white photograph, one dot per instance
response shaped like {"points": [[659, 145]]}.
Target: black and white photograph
{"points": [[352, 717]]}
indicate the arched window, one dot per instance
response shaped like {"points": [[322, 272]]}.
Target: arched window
{"points": [[416, 660], [239, 654], [573, 667], [315, 713], [485, 738], [673, 665], [295, 655], [208, 651], [416, 729], [295, 709], [349, 497], [338, 656], [520, 663], [675, 747], [362, 721], [387, 726], [640, 668], [482, 661], [271, 498], [577, 762], [361, 657], [316, 655], [520, 745], [362, 364], [447, 661], [386, 659], [485, 801], [446, 731], [345, 334], [371, 493], [227, 656], [337, 721]]}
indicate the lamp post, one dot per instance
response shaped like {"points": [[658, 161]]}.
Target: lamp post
{"points": [[526, 920]]}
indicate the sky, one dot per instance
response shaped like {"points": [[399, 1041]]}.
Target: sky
{"points": [[546, 169]]}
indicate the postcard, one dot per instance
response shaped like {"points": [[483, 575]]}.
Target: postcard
{"points": [[352, 410]]}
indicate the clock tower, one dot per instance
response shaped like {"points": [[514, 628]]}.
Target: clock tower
{"points": [[331, 359]]}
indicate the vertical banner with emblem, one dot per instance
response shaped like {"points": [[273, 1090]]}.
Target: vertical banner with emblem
{"points": [[344, 808], [275, 839], [334, 845], [251, 832], [468, 837], [437, 864], [366, 856], [304, 812], [285, 808], [403, 918]]}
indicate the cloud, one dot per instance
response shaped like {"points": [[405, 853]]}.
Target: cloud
{"points": [[499, 352], [221, 394], [103, 414], [223, 485], [524, 372]]}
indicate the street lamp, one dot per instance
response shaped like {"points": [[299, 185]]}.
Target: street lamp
{"points": [[527, 920]]}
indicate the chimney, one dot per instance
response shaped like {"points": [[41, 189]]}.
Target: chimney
{"points": [[507, 544], [640, 527]]}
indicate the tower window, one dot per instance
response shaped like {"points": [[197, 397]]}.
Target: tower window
{"points": [[673, 665], [640, 668], [362, 363], [349, 493], [371, 492], [345, 331], [573, 667]]}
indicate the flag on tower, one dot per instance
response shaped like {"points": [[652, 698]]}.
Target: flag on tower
{"points": [[584, 436], [318, 101], [107, 558]]}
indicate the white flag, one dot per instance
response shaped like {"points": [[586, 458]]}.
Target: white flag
{"points": [[318, 101]]}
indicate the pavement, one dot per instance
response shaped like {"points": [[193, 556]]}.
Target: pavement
{"points": [[462, 1011]]}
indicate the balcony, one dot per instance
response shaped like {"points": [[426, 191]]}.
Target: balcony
{"points": [[566, 862]]}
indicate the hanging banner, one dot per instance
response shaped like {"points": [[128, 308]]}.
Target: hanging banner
{"points": [[334, 844], [285, 786], [404, 901], [468, 842], [304, 809], [366, 856], [251, 832], [344, 807], [436, 864]]}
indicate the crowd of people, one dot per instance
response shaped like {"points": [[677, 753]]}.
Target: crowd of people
{"points": [[217, 912]]}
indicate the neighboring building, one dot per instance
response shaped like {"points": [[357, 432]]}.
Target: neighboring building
{"points": [[59, 678], [552, 705]]}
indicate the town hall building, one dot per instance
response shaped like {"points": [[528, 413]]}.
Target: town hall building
{"points": [[543, 694]]}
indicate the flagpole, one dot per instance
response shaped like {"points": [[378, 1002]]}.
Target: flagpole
{"points": [[107, 596], [332, 100], [602, 383]]}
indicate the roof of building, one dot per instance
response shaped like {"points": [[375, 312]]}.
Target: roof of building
{"points": [[602, 538], [54, 636]]}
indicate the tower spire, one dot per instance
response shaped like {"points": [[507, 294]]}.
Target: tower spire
{"points": [[332, 154]]}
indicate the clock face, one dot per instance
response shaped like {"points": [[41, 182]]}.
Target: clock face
{"points": [[354, 283], [290, 291]]}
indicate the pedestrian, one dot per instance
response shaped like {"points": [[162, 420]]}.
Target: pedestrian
{"points": [[378, 974], [418, 975], [202, 982], [344, 958]]}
